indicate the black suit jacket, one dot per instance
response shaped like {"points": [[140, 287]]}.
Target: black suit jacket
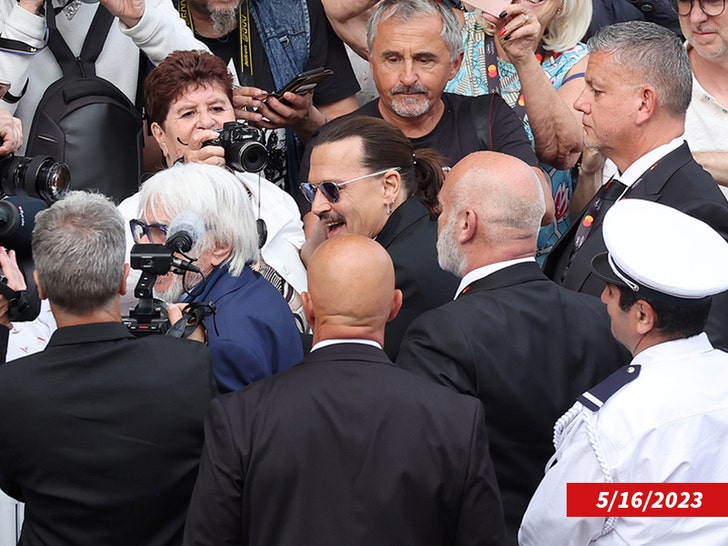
{"points": [[410, 238], [526, 348], [677, 181], [102, 434], [345, 449]]}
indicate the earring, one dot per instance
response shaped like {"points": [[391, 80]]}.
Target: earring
{"points": [[389, 207]]}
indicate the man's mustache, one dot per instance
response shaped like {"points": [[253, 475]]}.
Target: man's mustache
{"points": [[409, 89]]}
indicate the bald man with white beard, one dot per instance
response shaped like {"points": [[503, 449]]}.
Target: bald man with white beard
{"points": [[512, 338]]}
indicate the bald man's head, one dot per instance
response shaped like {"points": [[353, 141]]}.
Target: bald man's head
{"points": [[350, 289], [492, 205]]}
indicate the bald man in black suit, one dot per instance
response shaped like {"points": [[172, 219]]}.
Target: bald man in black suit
{"points": [[345, 448], [520, 343]]}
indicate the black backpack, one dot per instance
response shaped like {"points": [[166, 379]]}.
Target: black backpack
{"points": [[87, 122]]}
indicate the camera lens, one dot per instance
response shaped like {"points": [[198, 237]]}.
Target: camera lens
{"points": [[52, 179], [249, 156], [35, 176]]}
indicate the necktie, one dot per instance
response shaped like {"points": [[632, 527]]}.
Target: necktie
{"points": [[603, 200], [599, 205]]}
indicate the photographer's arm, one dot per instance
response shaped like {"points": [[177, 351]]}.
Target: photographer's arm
{"points": [[349, 19], [20, 22], [154, 26]]}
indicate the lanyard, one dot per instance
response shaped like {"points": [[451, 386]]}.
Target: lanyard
{"points": [[494, 86], [246, 42]]}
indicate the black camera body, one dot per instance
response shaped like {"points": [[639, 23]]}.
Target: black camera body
{"points": [[149, 315], [244, 146], [27, 186]]}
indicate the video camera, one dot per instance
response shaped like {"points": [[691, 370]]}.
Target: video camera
{"points": [[244, 147], [149, 315]]}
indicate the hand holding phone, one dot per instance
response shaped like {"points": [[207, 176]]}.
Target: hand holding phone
{"points": [[491, 8], [303, 83]]}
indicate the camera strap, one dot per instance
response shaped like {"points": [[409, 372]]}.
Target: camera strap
{"points": [[20, 303], [244, 30], [193, 315]]}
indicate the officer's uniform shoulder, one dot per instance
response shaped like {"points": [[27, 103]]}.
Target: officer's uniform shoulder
{"points": [[596, 397]]}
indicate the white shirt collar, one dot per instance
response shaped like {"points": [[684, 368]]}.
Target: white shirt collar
{"points": [[481, 272], [675, 348], [639, 167], [327, 342]]}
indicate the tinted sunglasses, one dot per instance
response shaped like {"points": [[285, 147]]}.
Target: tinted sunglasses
{"points": [[153, 232], [331, 190]]}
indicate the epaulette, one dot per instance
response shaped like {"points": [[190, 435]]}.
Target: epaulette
{"points": [[595, 397]]}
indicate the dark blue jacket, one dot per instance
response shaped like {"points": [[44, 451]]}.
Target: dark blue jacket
{"points": [[253, 334]]}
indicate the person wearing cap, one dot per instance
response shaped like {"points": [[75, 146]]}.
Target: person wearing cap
{"points": [[507, 338], [638, 88], [663, 417]]}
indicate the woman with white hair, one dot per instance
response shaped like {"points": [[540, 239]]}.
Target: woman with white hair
{"points": [[530, 54]]}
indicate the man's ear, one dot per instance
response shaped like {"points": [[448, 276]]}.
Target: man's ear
{"points": [[396, 304], [648, 104], [467, 226], [41, 292], [391, 184], [644, 316], [456, 65], [308, 308], [122, 284], [220, 253]]}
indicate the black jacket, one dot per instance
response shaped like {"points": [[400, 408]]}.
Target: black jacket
{"points": [[102, 434], [526, 348]]}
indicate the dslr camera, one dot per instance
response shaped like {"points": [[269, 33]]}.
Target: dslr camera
{"points": [[244, 146], [27, 186]]}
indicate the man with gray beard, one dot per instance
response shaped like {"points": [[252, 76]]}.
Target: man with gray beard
{"points": [[512, 338], [415, 48]]}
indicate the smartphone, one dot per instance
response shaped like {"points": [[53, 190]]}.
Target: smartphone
{"points": [[304, 82], [491, 8], [4, 88]]}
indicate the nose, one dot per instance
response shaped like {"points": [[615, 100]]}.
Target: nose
{"points": [[320, 204], [409, 74], [207, 121], [696, 14], [581, 103]]}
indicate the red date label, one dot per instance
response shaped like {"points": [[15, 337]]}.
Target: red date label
{"points": [[646, 499]]}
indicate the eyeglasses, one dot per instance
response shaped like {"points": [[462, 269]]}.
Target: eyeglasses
{"points": [[155, 233], [711, 8], [330, 190]]}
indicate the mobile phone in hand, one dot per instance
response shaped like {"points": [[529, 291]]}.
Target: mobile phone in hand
{"points": [[491, 8], [304, 82]]}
